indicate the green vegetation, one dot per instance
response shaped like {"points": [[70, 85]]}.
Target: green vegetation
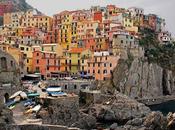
{"points": [[164, 55]]}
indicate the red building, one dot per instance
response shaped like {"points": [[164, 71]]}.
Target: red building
{"points": [[46, 63], [98, 16], [5, 7]]}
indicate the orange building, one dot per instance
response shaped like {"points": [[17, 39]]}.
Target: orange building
{"points": [[101, 65], [46, 63]]}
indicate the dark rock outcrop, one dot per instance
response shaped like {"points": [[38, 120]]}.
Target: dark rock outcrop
{"points": [[120, 108], [85, 122]]}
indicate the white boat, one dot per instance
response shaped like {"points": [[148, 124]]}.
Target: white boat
{"points": [[36, 108], [53, 89], [23, 95], [15, 94], [58, 94]]}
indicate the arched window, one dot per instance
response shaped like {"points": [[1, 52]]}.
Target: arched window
{"points": [[4, 63]]}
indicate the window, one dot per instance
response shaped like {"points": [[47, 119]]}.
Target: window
{"points": [[121, 41], [104, 64], [37, 54], [88, 71], [82, 61], [110, 64], [37, 61], [42, 48], [27, 49], [52, 48], [104, 71], [78, 55], [93, 64], [4, 63], [37, 69], [98, 71], [22, 48], [65, 87], [11, 63], [98, 64], [93, 71], [75, 86], [27, 60], [47, 68]]}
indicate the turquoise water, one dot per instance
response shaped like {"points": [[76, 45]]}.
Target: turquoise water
{"points": [[165, 107]]}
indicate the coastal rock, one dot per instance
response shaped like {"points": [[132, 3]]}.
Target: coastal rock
{"points": [[85, 122], [120, 108], [155, 121], [114, 126], [135, 122]]}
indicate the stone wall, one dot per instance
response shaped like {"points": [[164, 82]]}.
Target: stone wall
{"points": [[36, 127], [9, 74], [72, 86]]}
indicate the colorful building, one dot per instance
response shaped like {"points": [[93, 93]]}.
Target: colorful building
{"points": [[46, 63], [101, 65], [74, 59]]}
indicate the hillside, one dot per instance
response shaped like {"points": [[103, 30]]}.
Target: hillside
{"points": [[17, 5]]}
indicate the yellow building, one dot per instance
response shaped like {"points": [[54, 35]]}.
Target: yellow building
{"points": [[85, 55], [32, 19], [128, 23], [27, 51], [12, 19], [74, 60], [52, 47]]}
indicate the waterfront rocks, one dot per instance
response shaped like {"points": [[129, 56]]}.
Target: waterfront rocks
{"points": [[120, 108], [114, 126], [85, 122], [155, 121]]}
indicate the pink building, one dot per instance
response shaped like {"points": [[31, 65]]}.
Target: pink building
{"points": [[101, 65]]}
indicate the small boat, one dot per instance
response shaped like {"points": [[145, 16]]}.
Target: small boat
{"points": [[33, 94], [15, 95], [17, 99], [23, 95], [11, 107], [10, 103], [53, 89], [36, 108], [56, 94], [29, 104]]}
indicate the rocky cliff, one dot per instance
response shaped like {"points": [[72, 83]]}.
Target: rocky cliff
{"points": [[138, 78]]}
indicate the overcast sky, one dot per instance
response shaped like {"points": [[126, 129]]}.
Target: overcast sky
{"points": [[163, 8]]}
